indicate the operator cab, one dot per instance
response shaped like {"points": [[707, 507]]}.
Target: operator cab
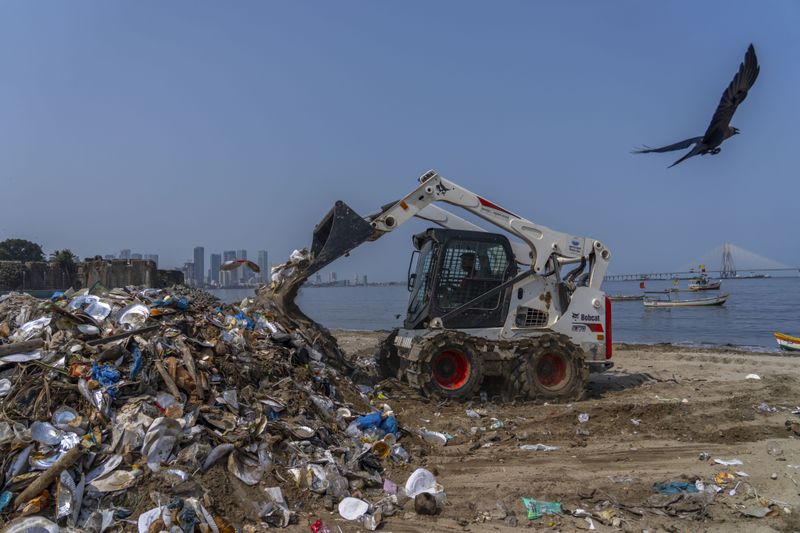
{"points": [[453, 268]]}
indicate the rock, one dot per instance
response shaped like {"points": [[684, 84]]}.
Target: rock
{"points": [[425, 503]]}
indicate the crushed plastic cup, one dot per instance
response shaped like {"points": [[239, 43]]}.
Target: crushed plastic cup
{"points": [[381, 449], [352, 508], [419, 481], [433, 437], [583, 418]]}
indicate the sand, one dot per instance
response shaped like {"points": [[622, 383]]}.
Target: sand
{"points": [[687, 402]]}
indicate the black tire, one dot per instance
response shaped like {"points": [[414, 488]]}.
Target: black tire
{"points": [[518, 385], [556, 369], [388, 362], [452, 368]]}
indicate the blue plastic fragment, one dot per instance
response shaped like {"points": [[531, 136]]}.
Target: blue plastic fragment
{"points": [[675, 487], [5, 499], [376, 420], [249, 324], [371, 420], [181, 303], [138, 360], [107, 376]]}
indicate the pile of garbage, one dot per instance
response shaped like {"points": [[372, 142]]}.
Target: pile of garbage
{"points": [[166, 410]]}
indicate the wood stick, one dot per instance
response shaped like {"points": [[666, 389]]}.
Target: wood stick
{"points": [[119, 336], [173, 389], [48, 476], [188, 360], [20, 347]]}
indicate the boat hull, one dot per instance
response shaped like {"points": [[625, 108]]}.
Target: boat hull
{"points": [[700, 302], [787, 342]]}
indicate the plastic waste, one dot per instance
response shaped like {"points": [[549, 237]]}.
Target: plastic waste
{"points": [[434, 437], [583, 418], [352, 508], [728, 462], [421, 480], [675, 487], [754, 377], [537, 509], [107, 376], [537, 447], [5, 387]]}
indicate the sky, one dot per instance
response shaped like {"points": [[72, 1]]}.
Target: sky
{"points": [[160, 126]]}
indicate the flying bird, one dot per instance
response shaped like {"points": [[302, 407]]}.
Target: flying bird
{"points": [[719, 129]]}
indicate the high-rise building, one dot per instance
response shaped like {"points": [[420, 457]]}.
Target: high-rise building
{"points": [[227, 278], [263, 264], [125, 254], [216, 262], [365, 280], [199, 266], [188, 273], [243, 273], [136, 256], [333, 277], [109, 257], [152, 257]]}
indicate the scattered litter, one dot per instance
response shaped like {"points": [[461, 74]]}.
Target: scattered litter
{"points": [[765, 408], [434, 437], [704, 456], [728, 462], [755, 377], [675, 487], [723, 478], [537, 509], [352, 508], [756, 511], [583, 418], [732, 492], [636, 421], [537, 447]]}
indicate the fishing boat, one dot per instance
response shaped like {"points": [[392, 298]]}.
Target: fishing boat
{"points": [[626, 297], [704, 284], [696, 302], [787, 342]]}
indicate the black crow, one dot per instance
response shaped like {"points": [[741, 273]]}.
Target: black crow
{"points": [[719, 129]]}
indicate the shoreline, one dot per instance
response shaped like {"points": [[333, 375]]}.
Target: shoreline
{"points": [[658, 346]]}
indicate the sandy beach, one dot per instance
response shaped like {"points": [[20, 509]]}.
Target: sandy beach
{"points": [[650, 419]]}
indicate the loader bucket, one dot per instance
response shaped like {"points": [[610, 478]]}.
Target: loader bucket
{"points": [[340, 231]]}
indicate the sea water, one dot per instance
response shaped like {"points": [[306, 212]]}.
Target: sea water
{"points": [[755, 309]]}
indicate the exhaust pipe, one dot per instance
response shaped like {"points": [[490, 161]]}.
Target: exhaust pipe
{"points": [[341, 230]]}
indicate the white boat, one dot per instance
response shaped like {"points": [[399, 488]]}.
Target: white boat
{"points": [[704, 284], [697, 302]]}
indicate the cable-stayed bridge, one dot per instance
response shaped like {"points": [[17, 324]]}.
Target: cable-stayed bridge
{"points": [[726, 261]]}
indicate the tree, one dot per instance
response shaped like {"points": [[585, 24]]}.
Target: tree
{"points": [[63, 257], [20, 250]]}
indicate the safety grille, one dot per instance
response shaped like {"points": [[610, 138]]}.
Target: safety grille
{"points": [[528, 317]]}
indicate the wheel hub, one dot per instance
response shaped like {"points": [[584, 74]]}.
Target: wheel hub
{"points": [[451, 369], [551, 370]]}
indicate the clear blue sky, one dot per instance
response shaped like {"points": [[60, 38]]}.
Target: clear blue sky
{"points": [[159, 126]]}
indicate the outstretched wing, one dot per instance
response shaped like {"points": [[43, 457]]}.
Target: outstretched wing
{"points": [[733, 96], [671, 148]]}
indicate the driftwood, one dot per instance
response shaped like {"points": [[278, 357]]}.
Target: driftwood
{"points": [[20, 347]]}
